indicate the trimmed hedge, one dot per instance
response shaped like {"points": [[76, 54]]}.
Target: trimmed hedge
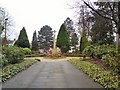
{"points": [[108, 79], [11, 70]]}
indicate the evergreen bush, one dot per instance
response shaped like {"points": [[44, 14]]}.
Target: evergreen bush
{"points": [[99, 50], [13, 54], [107, 53], [112, 61], [3, 60], [27, 51]]}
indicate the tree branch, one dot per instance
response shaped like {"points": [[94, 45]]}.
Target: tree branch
{"points": [[98, 12]]}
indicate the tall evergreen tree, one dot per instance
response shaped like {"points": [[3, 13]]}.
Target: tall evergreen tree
{"points": [[23, 39], [45, 37], [69, 26], [102, 30], [63, 39], [34, 42], [83, 41], [74, 40]]}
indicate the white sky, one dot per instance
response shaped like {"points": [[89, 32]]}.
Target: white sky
{"points": [[33, 14]]}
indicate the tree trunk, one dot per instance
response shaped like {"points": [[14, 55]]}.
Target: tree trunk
{"points": [[117, 41], [0, 41]]}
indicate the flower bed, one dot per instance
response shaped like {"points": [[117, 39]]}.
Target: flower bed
{"points": [[11, 70], [106, 78]]}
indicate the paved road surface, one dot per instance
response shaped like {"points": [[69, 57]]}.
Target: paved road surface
{"points": [[51, 74]]}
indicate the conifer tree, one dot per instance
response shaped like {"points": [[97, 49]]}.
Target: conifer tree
{"points": [[45, 37], [34, 42], [23, 39], [83, 41], [74, 40], [63, 39]]}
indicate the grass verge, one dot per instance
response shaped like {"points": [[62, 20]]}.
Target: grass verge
{"points": [[11, 70], [107, 79]]}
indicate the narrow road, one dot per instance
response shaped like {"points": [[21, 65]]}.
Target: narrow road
{"points": [[51, 74]]}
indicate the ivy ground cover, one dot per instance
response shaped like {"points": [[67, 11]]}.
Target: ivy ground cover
{"points": [[11, 70], [106, 78]]}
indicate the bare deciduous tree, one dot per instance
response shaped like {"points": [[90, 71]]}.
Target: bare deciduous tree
{"points": [[6, 25], [108, 10]]}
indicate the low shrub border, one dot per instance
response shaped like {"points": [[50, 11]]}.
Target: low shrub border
{"points": [[54, 57], [107, 79], [106, 53], [11, 70]]}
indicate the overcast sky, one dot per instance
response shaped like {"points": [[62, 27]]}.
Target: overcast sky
{"points": [[33, 14]]}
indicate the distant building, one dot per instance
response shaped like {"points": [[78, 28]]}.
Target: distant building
{"points": [[72, 49], [9, 42]]}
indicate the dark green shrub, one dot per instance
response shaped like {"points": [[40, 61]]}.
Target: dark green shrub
{"points": [[3, 60], [27, 51], [89, 50], [6, 50], [13, 54], [107, 53], [111, 60], [99, 50]]}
